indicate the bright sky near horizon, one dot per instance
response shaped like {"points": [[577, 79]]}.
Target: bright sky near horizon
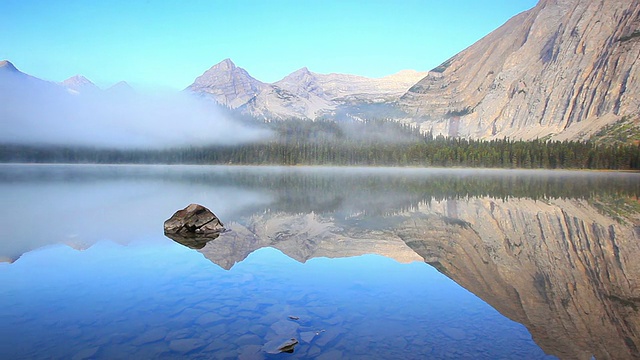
{"points": [[169, 43]]}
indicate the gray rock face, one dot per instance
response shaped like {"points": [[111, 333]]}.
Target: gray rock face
{"points": [[302, 94], [279, 346], [227, 84], [561, 268], [193, 220], [564, 68]]}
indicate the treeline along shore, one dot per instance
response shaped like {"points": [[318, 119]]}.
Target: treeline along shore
{"points": [[368, 143]]}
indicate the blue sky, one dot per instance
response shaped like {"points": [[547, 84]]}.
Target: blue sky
{"points": [[169, 43]]}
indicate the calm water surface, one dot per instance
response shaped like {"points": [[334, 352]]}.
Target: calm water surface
{"points": [[352, 263]]}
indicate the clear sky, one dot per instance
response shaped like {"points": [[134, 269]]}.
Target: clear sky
{"points": [[168, 43]]}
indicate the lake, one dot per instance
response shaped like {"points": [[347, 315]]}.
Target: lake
{"points": [[353, 263]]}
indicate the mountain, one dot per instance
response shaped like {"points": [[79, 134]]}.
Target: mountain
{"points": [[302, 237], [563, 69], [302, 94], [227, 84], [562, 267], [121, 87], [13, 80], [79, 84], [6, 65], [565, 268]]}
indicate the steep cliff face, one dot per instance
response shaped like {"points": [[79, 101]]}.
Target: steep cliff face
{"points": [[564, 68], [566, 272]]}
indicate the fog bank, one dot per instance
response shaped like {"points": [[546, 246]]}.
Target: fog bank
{"points": [[33, 111]]}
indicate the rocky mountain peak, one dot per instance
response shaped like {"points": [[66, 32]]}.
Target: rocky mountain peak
{"points": [[79, 83], [301, 82], [301, 72], [121, 90], [6, 65], [224, 65], [77, 79], [228, 84], [563, 70], [120, 85], [302, 94], [299, 75]]}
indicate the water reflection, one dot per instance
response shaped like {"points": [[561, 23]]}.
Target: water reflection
{"points": [[561, 267], [553, 251]]}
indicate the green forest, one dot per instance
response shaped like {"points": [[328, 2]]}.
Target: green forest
{"points": [[354, 143]]}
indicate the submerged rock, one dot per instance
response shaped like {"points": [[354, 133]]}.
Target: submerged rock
{"points": [[193, 226], [279, 346]]}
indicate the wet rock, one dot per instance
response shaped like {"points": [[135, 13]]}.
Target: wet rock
{"points": [[285, 327], [249, 339], [250, 352], [185, 346], [193, 226], [178, 334], [330, 355], [454, 333], [323, 311], [327, 336], [209, 319], [86, 353], [314, 351], [150, 336], [307, 336], [279, 346]]}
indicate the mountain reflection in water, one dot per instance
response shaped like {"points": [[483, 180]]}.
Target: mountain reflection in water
{"points": [[554, 251]]}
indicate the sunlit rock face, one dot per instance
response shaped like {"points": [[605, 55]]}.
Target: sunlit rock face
{"points": [[560, 267], [302, 237], [301, 94], [227, 84], [564, 68]]}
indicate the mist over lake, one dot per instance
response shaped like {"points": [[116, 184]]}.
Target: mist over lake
{"points": [[349, 262]]}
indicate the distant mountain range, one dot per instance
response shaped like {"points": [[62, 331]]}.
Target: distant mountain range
{"points": [[562, 70], [301, 94], [566, 69], [14, 80]]}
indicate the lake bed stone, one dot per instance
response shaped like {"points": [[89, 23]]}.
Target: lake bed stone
{"points": [[307, 336], [280, 345], [185, 346], [150, 336], [285, 327], [87, 353]]}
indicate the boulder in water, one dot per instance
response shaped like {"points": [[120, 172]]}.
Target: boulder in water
{"points": [[194, 221]]}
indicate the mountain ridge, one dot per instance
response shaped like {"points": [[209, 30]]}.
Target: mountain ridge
{"points": [[563, 69], [302, 93], [79, 84]]}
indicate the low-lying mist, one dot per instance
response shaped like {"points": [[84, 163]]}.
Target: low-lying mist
{"points": [[35, 112]]}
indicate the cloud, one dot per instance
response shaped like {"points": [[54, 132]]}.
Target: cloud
{"points": [[34, 111]]}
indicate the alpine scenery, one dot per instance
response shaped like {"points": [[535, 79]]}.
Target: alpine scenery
{"points": [[320, 179]]}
